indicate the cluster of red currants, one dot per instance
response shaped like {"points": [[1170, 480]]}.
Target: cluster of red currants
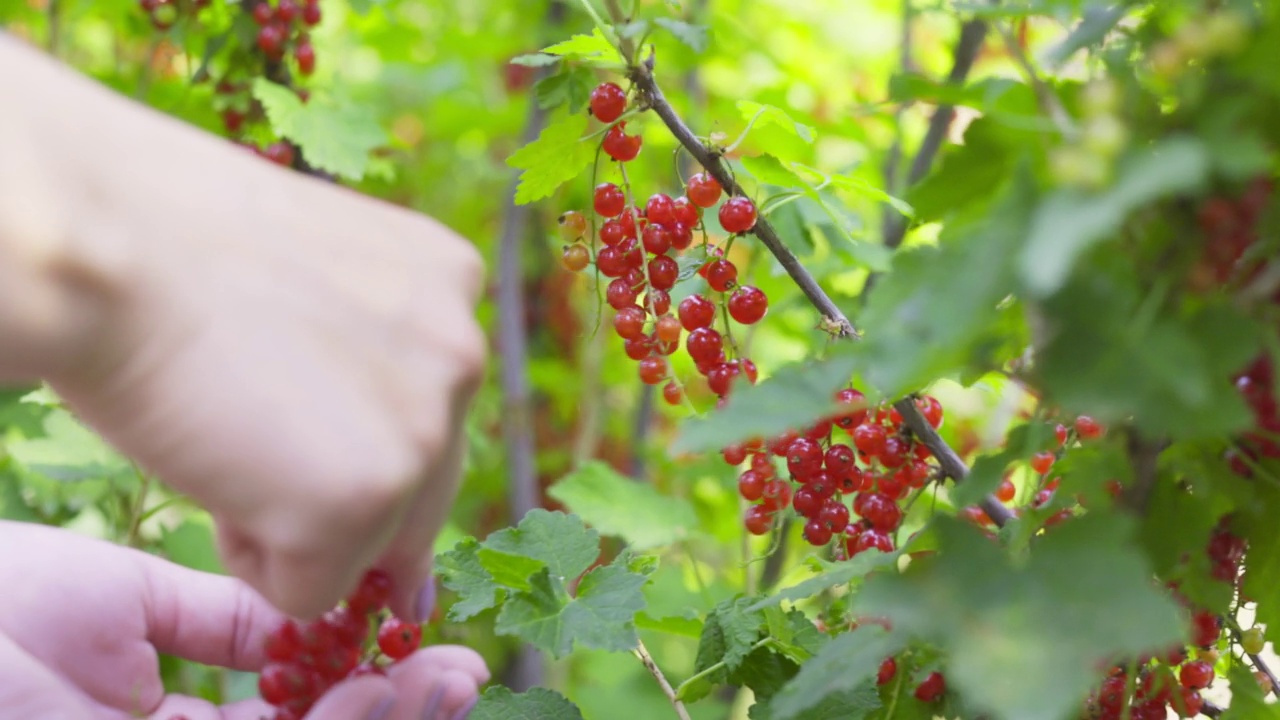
{"points": [[636, 253], [285, 26], [165, 13], [929, 690], [879, 470], [1230, 228], [1257, 386], [308, 659]]}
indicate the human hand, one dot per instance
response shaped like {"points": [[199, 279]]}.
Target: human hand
{"points": [[82, 621], [294, 356]]}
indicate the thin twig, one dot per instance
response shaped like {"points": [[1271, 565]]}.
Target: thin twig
{"points": [[643, 653], [139, 510], [972, 35], [1045, 96]]}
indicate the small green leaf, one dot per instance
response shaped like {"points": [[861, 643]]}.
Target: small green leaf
{"points": [[593, 49], [729, 635], [765, 115], [570, 88], [192, 545], [790, 399], [460, 571], [336, 135], [695, 36], [559, 541], [500, 703], [1069, 222], [556, 157], [845, 664], [619, 506]]}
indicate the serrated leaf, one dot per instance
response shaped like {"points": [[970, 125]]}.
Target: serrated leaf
{"points": [[593, 49], [845, 664], [559, 541], [1247, 700], [1024, 641], [556, 157], [762, 116], [695, 36], [460, 570], [508, 570], [570, 88], [500, 703], [68, 451], [769, 169], [853, 704], [601, 616], [729, 634], [686, 627], [791, 398], [1069, 222], [335, 135], [622, 507]]}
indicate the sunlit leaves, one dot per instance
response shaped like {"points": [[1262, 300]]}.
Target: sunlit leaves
{"points": [[335, 134], [558, 155]]}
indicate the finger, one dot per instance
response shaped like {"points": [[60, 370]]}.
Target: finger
{"points": [[28, 689], [436, 694], [212, 619], [364, 698], [455, 657]]}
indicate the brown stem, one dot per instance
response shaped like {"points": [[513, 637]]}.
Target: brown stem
{"points": [[643, 653]]}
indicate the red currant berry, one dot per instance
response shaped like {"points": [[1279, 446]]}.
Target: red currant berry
{"points": [[575, 257], [667, 329], [869, 439], [721, 275], [271, 41], [880, 510], [703, 190], [1205, 629], [758, 520], [611, 261], [720, 378], [1088, 428], [684, 212], [659, 209], [873, 539], [696, 312], [748, 304], [286, 11], [704, 343], [663, 272], [681, 236], [777, 495], [572, 225], [349, 628], [817, 533], [671, 393], [931, 409], [619, 294], [1006, 491], [609, 200], [839, 460], [285, 643], [621, 146], [629, 323], [311, 13], [858, 414], [398, 639], [1191, 703], [656, 238], [608, 102], [894, 453], [638, 348], [1041, 462], [280, 683], [834, 514], [653, 370], [1060, 434], [751, 485], [1196, 675], [807, 502], [262, 13], [738, 215], [931, 689], [888, 669]]}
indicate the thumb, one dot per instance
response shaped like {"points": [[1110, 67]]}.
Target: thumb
{"points": [[28, 689]]}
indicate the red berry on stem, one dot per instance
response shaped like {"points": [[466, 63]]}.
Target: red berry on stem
{"points": [[834, 514], [271, 40], [262, 13], [807, 502], [888, 669], [372, 593], [1041, 462], [659, 209], [575, 257], [817, 533], [609, 200], [869, 439], [1006, 491], [931, 689], [684, 212], [748, 304], [855, 417], [286, 11], [738, 215], [696, 312], [306, 57], [703, 190], [1196, 675], [398, 639], [721, 275], [671, 393], [663, 272], [704, 344], [311, 12], [1088, 428], [608, 102], [656, 238], [653, 370], [619, 145], [758, 520], [629, 323], [1205, 629]]}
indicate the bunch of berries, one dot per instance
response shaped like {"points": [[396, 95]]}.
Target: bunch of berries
{"points": [[878, 467], [1230, 227], [285, 26], [637, 253], [1257, 386], [308, 659]]}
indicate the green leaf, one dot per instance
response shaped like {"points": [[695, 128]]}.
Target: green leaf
{"points": [[845, 664], [460, 571], [769, 169], [686, 627], [601, 616], [535, 60], [1247, 700], [695, 36], [853, 704], [559, 541], [1069, 222], [866, 189], [192, 545], [1024, 642], [966, 174], [571, 88], [622, 507], [68, 452], [500, 703], [1097, 23], [833, 575], [556, 157], [790, 399], [762, 116], [593, 49], [336, 135], [729, 635], [508, 570], [1262, 581]]}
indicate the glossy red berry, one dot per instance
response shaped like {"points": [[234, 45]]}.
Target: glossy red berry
{"points": [[888, 669], [629, 323], [834, 514], [704, 344], [1088, 428], [262, 13], [721, 275], [817, 533], [748, 304], [656, 239], [869, 439], [653, 370], [1006, 491], [856, 416], [286, 11], [777, 495], [311, 13], [931, 409], [758, 520], [279, 683], [738, 215], [660, 209], [1196, 675], [608, 102], [609, 200], [1205, 629], [305, 54], [575, 257], [271, 40], [807, 502], [672, 393], [663, 272], [619, 145], [1041, 462], [751, 485], [684, 212], [703, 190], [931, 689], [696, 312], [398, 639]]}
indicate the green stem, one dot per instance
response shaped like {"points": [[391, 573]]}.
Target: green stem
{"points": [[712, 669]]}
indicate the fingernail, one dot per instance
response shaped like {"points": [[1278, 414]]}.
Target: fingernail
{"points": [[433, 704], [383, 709], [426, 601], [463, 713]]}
